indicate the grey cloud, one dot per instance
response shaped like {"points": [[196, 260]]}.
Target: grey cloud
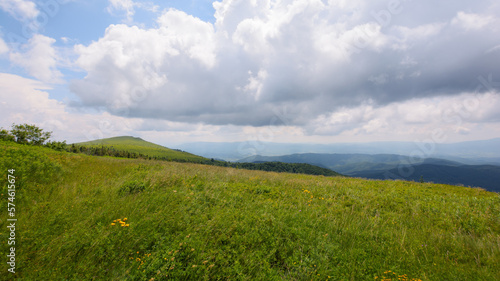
{"points": [[312, 61]]}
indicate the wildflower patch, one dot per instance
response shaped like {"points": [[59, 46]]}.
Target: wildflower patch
{"points": [[120, 222]]}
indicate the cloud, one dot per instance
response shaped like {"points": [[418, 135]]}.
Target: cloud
{"points": [[3, 47], [129, 6], [472, 21], [467, 112], [26, 100], [313, 58], [20, 9], [39, 59], [125, 5]]}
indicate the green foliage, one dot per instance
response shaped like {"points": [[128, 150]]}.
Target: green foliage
{"points": [[201, 222], [33, 165], [132, 187], [6, 135], [57, 145], [296, 168], [29, 134]]}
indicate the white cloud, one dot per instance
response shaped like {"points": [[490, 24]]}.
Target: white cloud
{"points": [[39, 59], [3, 47], [255, 84], [20, 9], [472, 21], [26, 100], [129, 6], [189, 34], [125, 5], [455, 115], [131, 66], [406, 37]]}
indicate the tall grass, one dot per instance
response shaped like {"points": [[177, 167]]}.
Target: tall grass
{"points": [[198, 222]]}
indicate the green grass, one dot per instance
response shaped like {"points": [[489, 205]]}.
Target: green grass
{"points": [[140, 146], [199, 222]]}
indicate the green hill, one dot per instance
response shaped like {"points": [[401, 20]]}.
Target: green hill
{"points": [[131, 147], [101, 218], [140, 146]]}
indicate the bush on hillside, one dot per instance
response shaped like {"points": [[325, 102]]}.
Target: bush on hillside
{"points": [[132, 187]]}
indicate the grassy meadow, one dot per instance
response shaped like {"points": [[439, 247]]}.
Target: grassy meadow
{"points": [[101, 218]]}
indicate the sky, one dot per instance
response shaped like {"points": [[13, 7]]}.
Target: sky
{"points": [[315, 71]]}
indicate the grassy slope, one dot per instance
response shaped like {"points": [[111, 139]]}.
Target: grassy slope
{"points": [[199, 222], [139, 145], [485, 176]]}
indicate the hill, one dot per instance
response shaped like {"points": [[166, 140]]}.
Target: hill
{"points": [[131, 147], [81, 217], [140, 146]]}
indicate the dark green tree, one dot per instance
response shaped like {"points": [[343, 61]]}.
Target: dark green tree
{"points": [[57, 145]]}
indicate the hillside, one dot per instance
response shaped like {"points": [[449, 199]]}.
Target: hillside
{"points": [[100, 218], [131, 147], [379, 166], [485, 176], [140, 146]]}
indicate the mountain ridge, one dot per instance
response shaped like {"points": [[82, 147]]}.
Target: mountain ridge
{"points": [[472, 152]]}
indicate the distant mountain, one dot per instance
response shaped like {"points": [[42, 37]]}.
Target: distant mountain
{"points": [[485, 176], [391, 166], [342, 163], [471, 152]]}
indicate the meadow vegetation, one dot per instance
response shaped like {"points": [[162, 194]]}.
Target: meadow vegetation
{"points": [[82, 217]]}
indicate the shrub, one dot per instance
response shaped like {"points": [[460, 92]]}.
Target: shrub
{"points": [[132, 187]]}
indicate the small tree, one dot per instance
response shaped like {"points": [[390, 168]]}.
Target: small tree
{"points": [[29, 134]]}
